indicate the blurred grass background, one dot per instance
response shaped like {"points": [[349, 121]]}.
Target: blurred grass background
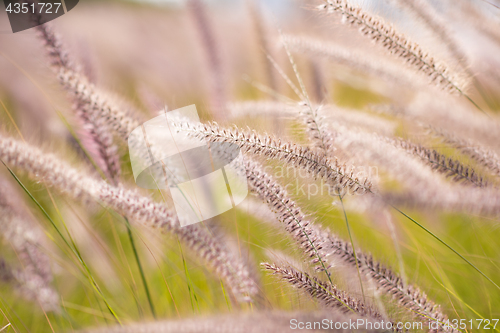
{"points": [[130, 48]]}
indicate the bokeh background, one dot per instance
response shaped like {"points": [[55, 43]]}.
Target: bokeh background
{"points": [[150, 55]]}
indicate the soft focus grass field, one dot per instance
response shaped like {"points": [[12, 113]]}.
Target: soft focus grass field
{"points": [[181, 287], [107, 287]]}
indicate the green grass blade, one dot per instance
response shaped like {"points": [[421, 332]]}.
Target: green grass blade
{"points": [[448, 246], [75, 250], [225, 295], [139, 265], [353, 248], [192, 293], [129, 232]]}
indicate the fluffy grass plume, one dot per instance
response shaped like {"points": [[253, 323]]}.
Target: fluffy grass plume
{"points": [[355, 211]]}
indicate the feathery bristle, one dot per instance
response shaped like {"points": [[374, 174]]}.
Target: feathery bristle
{"points": [[485, 157], [49, 169], [328, 295], [379, 31], [428, 15], [19, 230], [321, 245], [337, 176], [106, 155], [448, 166]]}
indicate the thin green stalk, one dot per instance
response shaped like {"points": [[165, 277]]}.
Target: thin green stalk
{"points": [[130, 236], [192, 293], [79, 256], [8, 308], [448, 246], [353, 248], [475, 104], [139, 265], [74, 249], [225, 295]]}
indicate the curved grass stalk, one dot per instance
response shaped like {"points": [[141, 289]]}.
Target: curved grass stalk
{"points": [[330, 296], [448, 166], [321, 138], [100, 104], [100, 143], [286, 211], [485, 157], [257, 146], [449, 247], [417, 302], [334, 174], [320, 245], [379, 31], [398, 44]]}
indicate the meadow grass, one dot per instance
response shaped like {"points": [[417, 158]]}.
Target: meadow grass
{"points": [[417, 241]]}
